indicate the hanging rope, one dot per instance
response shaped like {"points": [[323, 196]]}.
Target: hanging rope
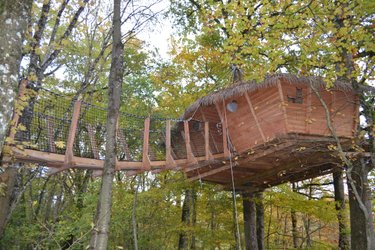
{"points": [[233, 185]]}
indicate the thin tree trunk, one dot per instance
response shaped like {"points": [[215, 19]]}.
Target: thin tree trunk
{"points": [[236, 233], [340, 208], [194, 217], [362, 233], [134, 215], [294, 228], [249, 215], [99, 239], [294, 221], [260, 220]]}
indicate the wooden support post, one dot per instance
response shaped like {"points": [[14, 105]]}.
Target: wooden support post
{"points": [[72, 135], [51, 137], [207, 141], [252, 110], [93, 143], [283, 104], [170, 163], [189, 152], [225, 129], [146, 135], [16, 115]]}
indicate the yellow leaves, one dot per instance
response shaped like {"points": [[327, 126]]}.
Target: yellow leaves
{"points": [[332, 147], [21, 127], [81, 3], [60, 144], [301, 149]]}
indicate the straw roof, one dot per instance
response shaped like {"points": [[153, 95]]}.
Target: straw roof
{"points": [[239, 88]]}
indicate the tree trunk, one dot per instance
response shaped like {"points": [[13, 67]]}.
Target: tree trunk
{"points": [[6, 197], [260, 220], [249, 215], [236, 231], [99, 239], [362, 229], [294, 228], [183, 242], [134, 214], [340, 208], [293, 216], [13, 24]]}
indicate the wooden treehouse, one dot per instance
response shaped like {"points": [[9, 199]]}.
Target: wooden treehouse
{"points": [[265, 134]]}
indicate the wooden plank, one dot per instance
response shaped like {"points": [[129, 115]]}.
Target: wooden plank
{"points": [[224, 128], [72, 133], [51, 136], [93, 143], [283, 104], [170, 162], [189, 152], [212, 137], [16, 116], [255, 116], [146, 135], [208, 153]]}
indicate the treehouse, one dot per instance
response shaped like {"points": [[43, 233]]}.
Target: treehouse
{"points": [[261, 134], [272, 132]]}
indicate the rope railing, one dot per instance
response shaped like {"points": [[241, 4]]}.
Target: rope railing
{"points": [[57, 123]]}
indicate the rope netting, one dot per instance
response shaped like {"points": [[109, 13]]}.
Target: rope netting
{"points": [[48, 117]]}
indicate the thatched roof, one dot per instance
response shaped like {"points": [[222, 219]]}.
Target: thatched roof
{"points": [[238, 89]]}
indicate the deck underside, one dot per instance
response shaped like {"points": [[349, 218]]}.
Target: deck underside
{"points": [[286, 159]]}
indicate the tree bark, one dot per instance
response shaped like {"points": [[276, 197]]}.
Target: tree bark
{"points": [[13, 24], [249, 214], [183, 242], [362, 230], [99, 239], [293, 216], [338, 185], [260, 220], [8, 177]]}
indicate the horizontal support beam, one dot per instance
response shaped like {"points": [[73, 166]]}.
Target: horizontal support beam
{"points": [[57, 161]]}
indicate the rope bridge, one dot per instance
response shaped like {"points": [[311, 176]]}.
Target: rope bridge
{"points": [[63, 133]]}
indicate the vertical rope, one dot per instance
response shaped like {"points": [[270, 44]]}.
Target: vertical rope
{"points": [[233, 185]]}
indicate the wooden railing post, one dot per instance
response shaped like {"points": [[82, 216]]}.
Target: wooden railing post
{"points": [[225, 129], [146, 134], [189, 152], [170, 163], [72, 134], [207, 141]]}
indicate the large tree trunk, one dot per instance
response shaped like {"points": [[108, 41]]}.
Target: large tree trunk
{"points": [[249, 215], [99, 239], [260, 220], [6, 198], [13, 24], [362, 230], [340, 208]]}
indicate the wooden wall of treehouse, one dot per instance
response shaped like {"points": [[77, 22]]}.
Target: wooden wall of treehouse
{"points": [[272, 111]]}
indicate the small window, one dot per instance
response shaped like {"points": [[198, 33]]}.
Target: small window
{"points": [[297, 98]]}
